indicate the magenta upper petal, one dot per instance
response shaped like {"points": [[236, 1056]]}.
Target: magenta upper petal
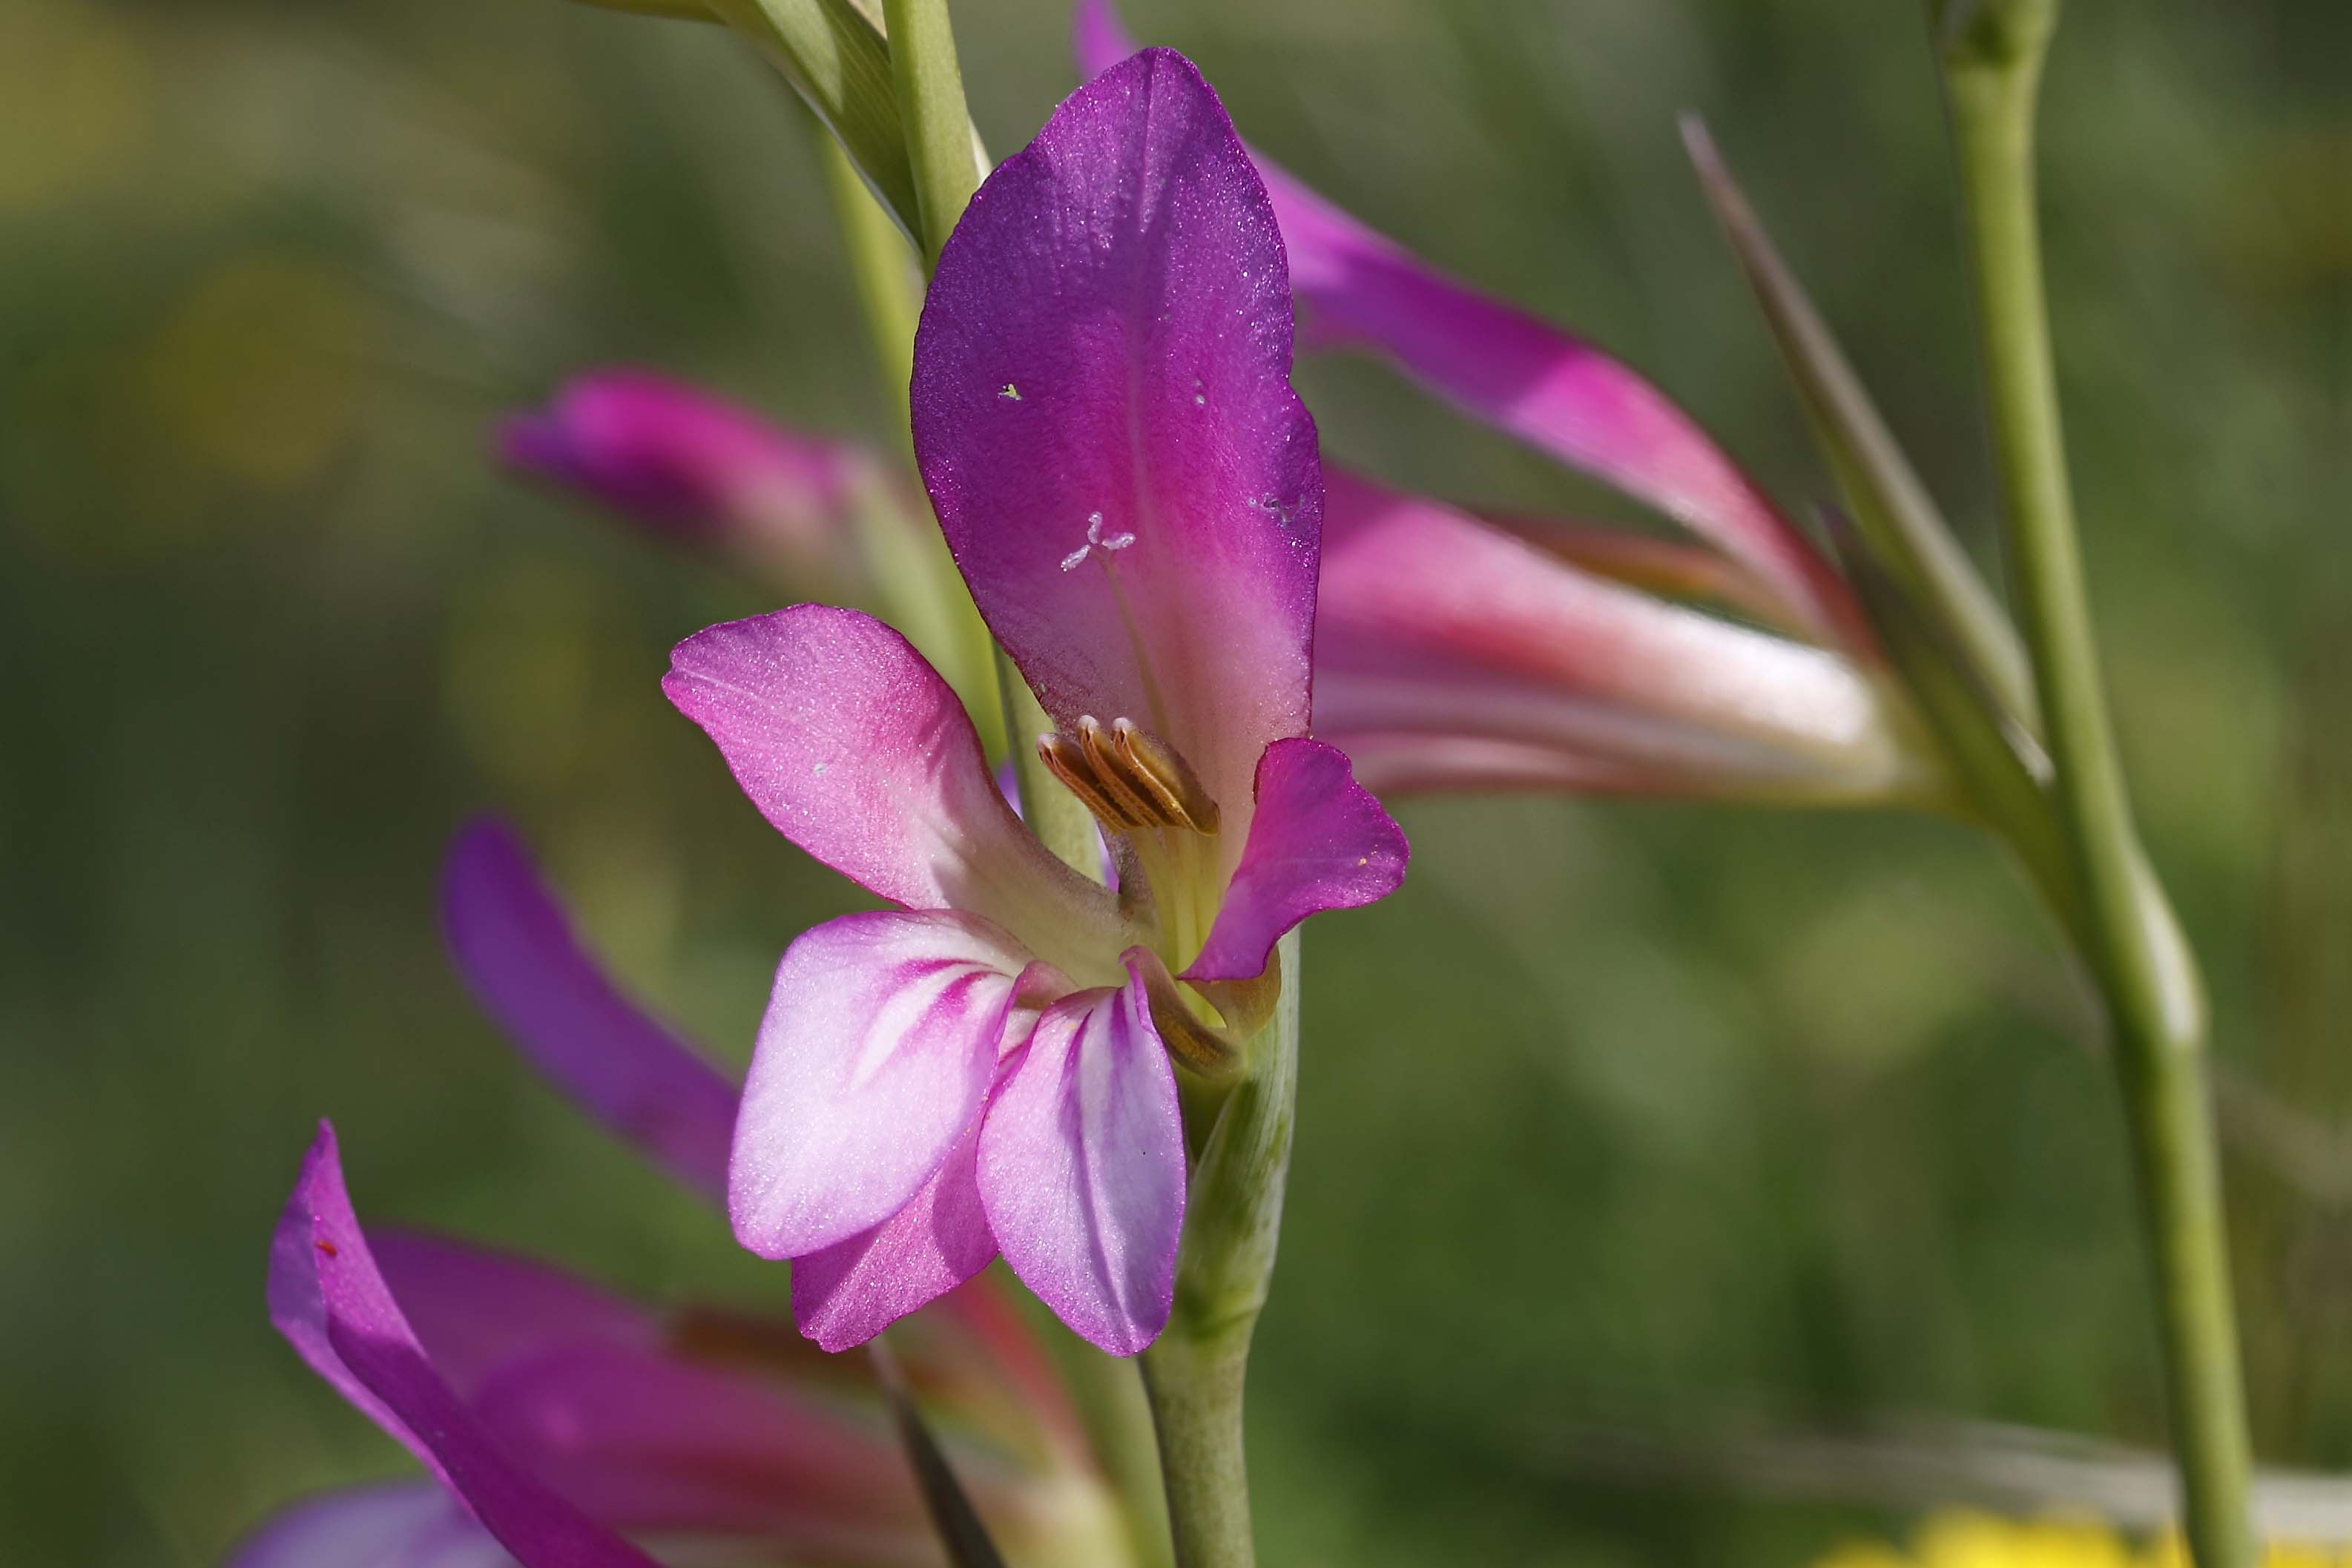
{"points": [[1103, 418], [327, 1298], [399, 1524], [1319, 841], [845, 1294], [1517, 371], [1082, 1168], [525, 965], [880, 1041], [856, 750]]}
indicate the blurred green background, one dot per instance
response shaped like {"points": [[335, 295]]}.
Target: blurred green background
{"points": [[1622, 1117]]}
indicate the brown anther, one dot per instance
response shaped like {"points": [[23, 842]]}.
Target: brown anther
{"points": [[1170, 780], [1068, 762], [1128, 779], [1112, 775]]}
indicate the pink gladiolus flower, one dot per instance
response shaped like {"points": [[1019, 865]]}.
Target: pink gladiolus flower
{"points": [[692, 466], [1456, 653], [1104, 418], [563, 1426]]}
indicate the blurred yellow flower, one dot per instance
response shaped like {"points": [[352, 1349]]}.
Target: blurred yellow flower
{"points": [[1962, 1539]]}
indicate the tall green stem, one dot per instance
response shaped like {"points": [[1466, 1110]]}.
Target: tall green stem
{"points": [[1232, 1222], [1993, 52], [929, 84], [1193, 1374]]}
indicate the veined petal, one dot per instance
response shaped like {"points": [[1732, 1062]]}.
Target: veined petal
{"points": [[1519, 372], [475, 1308], [400, 1524], [328, 1300], [1082, 1167], [881, 1038], [525, 965], [1319, 841], [1435, 622], [1103, 418], [850, 1291], [853, 747]]}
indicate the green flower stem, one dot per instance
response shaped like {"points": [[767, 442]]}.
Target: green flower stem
{"points": [[930, 85], [1234, 1219], [1193, 1375], [1993, 52], [889, 288]]}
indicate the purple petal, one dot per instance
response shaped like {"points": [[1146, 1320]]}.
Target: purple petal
{"points": [[659, 1444], [1105, 353], [327, 1298], [1519, 372], [880, 1041], [690, 464], [1432, 621], [850, 1291], [1319, 841], [855, 749], [475, 1309], [1082, 1168], [528, 970], [402, 1524]]}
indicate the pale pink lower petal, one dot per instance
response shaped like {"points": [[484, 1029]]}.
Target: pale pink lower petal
{"points": [[855, 749], [852, 1290], [1319, 841], [328, 1300], [400, 1524], [1082, 1168], [880, 1040], [527, 967]]}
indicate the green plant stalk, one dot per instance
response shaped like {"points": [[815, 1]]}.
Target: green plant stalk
{"points": [[930, 86], [890, 287], [1193, 1375], [1993, 52], [1233, 1220]]}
